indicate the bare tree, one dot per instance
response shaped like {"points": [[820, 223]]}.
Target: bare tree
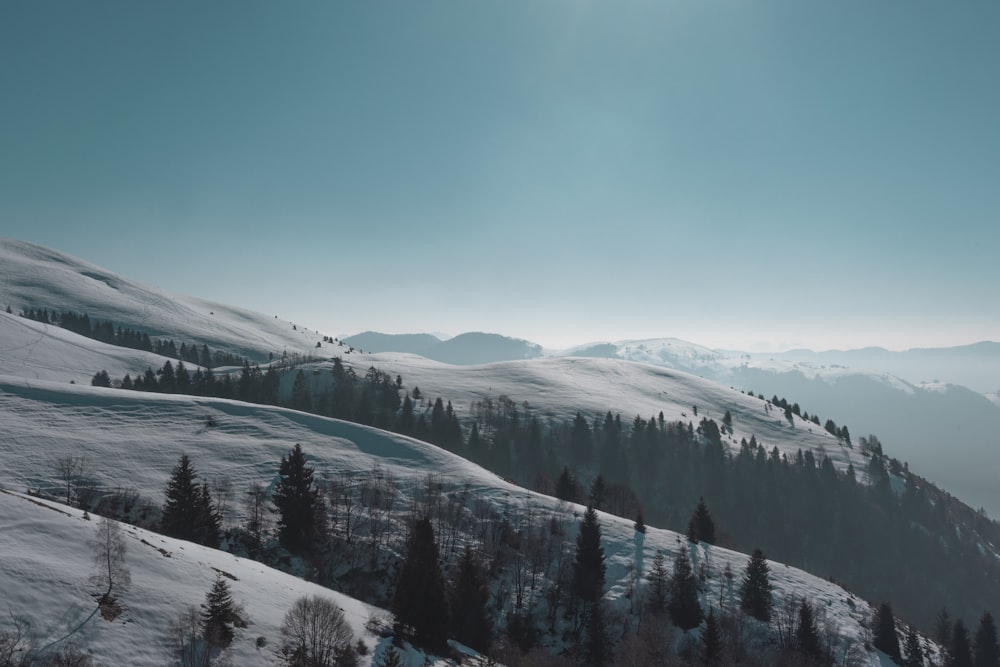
{"points": [[222, 494], [72, 470], [15, 643], [314, 632], [258, 516], [187, 642], [111, 573]]}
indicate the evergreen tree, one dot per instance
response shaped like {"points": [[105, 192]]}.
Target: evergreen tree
{"points": [[914, 652], [987, 650], [640, 524], [581, 445], [188, 507], [807, 634], [659, 585], [886, 639], [711, 640], [298, 502], [755, 589], [683, 606], [566, 486], [208, 530], [219, 615], [471, 622], [301, 397], [596, 648], [942, 627], [168, 384], [419, 599], [182, 379], [960, 652], [589, 567], [406, 419], [597, 491], [701, 527]]}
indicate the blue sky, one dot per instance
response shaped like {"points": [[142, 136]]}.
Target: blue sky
{"points": [[753, 175]]}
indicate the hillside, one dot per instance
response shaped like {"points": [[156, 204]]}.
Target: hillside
{"points": [[924, 403], [48, 561], [37, 277], [145, 434], [239, 444]]}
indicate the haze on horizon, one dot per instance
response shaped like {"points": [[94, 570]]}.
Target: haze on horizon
{"points": [[746, 176]]}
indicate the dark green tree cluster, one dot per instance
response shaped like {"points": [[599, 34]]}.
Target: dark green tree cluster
{"points": [[982, 650], [302, 513], [756, 597], [884, 635], [701, 526], [252, 385], [419, 603], [682, 602], [468, 600], [219, 615], [106, 332], [189, 513]]}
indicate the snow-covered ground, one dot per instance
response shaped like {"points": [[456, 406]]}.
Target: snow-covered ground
{"points": [[132, 440], [48, 562]]}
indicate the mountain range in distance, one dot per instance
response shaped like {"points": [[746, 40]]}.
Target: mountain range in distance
{"points": [[938, 408]]}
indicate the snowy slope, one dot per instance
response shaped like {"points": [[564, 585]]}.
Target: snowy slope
{"points": [[135, 439], [36, 277], [45, 575], [557, 387]]}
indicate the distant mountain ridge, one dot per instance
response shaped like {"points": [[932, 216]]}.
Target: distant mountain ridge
{"points": [[467, 349], [923, 403]]}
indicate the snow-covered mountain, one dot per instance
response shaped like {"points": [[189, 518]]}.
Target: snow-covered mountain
{"points": [[36, 277], [131, 440], [931, 407], [465, 349], [927, 404]]}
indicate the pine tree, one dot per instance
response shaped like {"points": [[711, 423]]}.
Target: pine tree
{"points": [[755, 589], [659, 585], [711, 640], [914, 652], [298, 502], [589, 567], [183, 512], [596, 648], [701, 527], [987, 650], [219, 615], [168, 383], [886, 639], [640, 524], [208, 529], [471, 622], [566, 486], [807, 634], [597, 491], [942, 627], [419, 599], [960, 652], [683, 606]]}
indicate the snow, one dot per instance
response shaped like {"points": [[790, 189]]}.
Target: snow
{"points": [[47, 564], [133, 439]]}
